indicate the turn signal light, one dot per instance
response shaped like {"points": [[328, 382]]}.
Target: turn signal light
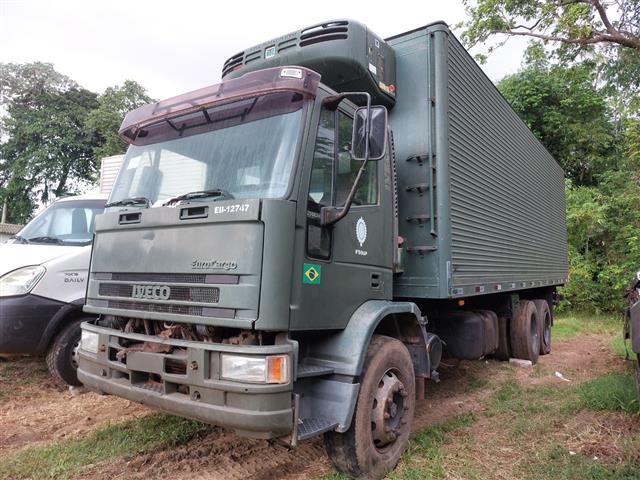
{"points": [[278, 369]]}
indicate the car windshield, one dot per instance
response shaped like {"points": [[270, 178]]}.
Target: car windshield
{"points": [[68, 222], [245, 149]]}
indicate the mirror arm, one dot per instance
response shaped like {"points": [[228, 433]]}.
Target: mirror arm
{"points": [[330, 216]]}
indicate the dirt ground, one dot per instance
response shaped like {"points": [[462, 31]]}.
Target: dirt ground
{"points": [[37, 411]]}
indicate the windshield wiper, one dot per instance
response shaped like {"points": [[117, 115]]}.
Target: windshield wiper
{"points": [[45, 239], [130, 202], [217, 192], [19, 238]]}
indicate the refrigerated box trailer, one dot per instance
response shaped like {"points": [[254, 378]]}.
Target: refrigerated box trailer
{"points": [[290, 251]]}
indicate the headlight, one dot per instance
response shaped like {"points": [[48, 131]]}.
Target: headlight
{"points": [[271, 369], [21, 281], [89, 341]]}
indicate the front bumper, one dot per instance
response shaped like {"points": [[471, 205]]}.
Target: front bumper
{"points": [[23, 321], [195, 391]]}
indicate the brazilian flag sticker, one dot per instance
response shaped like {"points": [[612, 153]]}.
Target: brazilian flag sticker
{"points": [[311, 274]]}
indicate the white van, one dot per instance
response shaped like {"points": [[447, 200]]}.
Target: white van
{"points": [[43, 278]]}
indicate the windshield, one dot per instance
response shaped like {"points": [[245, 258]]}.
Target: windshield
{"points": [[67, 222], [245, 148]]}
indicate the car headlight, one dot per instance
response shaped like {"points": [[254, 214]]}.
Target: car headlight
{"points": [[21, 281], [271, 369], [89, 341]]}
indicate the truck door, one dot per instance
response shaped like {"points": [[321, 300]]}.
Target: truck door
{"points": [[350, 262]]}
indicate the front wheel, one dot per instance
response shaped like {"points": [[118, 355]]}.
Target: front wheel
{"points": [[381, 423], [62, 356]]}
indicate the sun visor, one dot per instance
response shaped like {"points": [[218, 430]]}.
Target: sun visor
{"points": [[282, 79]]}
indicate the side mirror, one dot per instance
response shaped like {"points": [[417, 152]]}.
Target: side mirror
{"points": [[377, 138]]}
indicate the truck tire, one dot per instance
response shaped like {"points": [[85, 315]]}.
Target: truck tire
{"points": [[62, 354], [383, 416], [504, 349], [525, 343], [544, 325]]}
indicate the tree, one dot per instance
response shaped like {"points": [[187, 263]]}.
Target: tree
{"points": [[580, 23], [568, 112], [105, 120], [607, 33], [48, 146]]}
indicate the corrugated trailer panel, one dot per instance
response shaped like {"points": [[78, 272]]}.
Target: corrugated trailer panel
{"points": [[411, 121], [498, 220], [506, 191]]}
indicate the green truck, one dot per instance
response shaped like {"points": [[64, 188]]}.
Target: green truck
{"points": [[290, 252]]}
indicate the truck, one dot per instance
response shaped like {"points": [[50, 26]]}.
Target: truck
{"points": [[290, 252], [43, 280]]}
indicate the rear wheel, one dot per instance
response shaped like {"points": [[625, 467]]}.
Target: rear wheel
{"points": [[544, 326], [382, 420], [525, 343], [62, 356]]}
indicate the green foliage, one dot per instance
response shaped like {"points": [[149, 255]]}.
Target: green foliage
{"points": [[574, 23], [25, 83], [105, 120], [566, 112], [54, 133], [604, 241], [48, 146], [574, 117]]}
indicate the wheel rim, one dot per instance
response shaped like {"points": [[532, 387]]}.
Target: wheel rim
{"points": [[74, 355], [389, 407]]}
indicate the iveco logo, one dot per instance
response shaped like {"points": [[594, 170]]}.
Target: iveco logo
{"points": [[153, 292]]}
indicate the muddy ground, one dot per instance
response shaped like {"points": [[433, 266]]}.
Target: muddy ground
{"points": [[33, 411]]}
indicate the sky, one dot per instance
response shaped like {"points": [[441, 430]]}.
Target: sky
{"points": [[171, 47]]}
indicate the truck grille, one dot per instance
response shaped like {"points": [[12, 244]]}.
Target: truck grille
{"points": [[222, 279], [184, 294], [156, 307]]}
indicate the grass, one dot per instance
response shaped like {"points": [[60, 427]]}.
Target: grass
{"points": [[612, 392], [423, 458], [556, 462], [569, 325], [68, 458]]}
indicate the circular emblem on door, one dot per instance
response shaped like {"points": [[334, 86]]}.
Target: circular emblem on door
{"points": [[361, 231]]}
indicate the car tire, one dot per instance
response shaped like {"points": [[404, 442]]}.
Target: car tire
{"points": [[381, 423], [62, 354]]}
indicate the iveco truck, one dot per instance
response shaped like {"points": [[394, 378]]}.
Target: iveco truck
{"points": [[290, 252]]}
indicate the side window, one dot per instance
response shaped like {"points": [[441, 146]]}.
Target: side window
{"points": [[321, 187], [347, 169]]}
